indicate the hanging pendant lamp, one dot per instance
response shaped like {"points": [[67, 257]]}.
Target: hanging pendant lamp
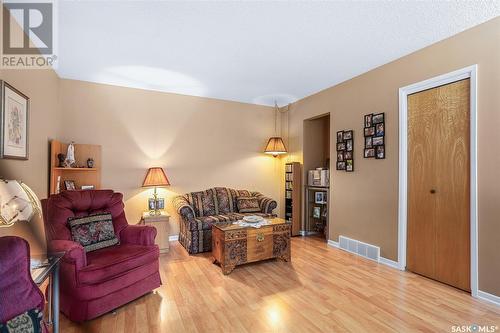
{"points": [[275, 146]]}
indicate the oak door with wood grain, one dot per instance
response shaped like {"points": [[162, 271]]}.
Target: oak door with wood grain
{"points": [[438, 232]]}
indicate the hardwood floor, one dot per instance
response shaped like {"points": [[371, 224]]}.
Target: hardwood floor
{"points": [[322, 290]]}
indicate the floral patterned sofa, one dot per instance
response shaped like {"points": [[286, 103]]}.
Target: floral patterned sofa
{"points": [[199, 210]]}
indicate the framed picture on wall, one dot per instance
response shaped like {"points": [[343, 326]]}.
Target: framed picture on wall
{"points": [[14, 115], [378, 118], [380, 152], [340, 136]]}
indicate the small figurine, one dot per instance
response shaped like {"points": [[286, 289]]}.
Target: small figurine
{"points": [[61, 158], [69, 162], [90, 162]]}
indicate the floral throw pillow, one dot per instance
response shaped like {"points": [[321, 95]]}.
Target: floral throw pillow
{"points": [[93, 232], [248, 204], [27, 322]]}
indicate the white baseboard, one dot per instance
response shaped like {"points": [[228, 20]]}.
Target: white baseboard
{"points": [[389, 262], [173, 238], [488, 297], [333, 243]]}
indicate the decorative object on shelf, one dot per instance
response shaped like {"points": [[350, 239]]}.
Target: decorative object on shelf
{"points": [[318, 197], [275, 145], [155, 177], [319, 177], [374, 136], [70, 185], [345, 150], [17, 203], [58, 185], [90, 162], [14, 116], [317, 212], [88, 187], [61, 158], [293, 196], [69, 162]]}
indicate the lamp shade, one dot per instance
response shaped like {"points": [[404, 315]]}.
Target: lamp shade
{"points": [[275, 146], [155, 177], [17, 202]]}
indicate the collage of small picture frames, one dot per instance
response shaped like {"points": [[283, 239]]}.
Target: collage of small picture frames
{"points": [[375, 136], [345, 150]]}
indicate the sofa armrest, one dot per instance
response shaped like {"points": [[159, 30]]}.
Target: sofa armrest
{"points": [[183, 207], [267, 205], [74, 252], [138, 234]]}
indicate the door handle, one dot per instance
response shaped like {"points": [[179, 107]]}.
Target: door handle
{"points": [[433, 191]]}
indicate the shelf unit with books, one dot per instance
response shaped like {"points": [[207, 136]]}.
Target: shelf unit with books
{"points": [[293, 185]]}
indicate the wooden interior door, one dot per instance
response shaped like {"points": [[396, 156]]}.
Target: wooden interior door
{"points": [[438, 241]]}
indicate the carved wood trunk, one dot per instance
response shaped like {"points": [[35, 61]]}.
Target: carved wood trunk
{"points": [[233, 246]]}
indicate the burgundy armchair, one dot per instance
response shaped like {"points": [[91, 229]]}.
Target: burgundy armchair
{"points": [[97, 282], [18, 292]]}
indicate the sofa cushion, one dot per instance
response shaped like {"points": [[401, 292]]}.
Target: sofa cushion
{"points": [[108, 263], [248, 204], [224, 200], [93, 232], [203, 202]]}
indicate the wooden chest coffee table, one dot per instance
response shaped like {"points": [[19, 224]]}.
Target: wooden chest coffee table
{"points": [[234, 245]]}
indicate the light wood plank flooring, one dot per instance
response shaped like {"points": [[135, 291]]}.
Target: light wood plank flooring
{"points": [[322, 290]]}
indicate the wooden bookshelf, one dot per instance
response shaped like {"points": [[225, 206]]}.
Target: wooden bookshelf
{"points": [[293, 193], [81, 175]]}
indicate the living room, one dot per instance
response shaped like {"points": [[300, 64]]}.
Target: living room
{"points": [[174, 133]]}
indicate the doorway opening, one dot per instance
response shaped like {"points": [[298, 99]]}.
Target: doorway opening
{"points": [[316, 155]]}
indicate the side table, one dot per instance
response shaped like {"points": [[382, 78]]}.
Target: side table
{"points": [[45, 267], [160, 222]]}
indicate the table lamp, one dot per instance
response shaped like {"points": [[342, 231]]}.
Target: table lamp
{"points": [[155, 177], [17, 203]]}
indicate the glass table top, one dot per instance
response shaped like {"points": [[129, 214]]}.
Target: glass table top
{"points": [[42, 264]]}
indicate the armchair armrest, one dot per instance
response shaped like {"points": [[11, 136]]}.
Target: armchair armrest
{"points": [[267, 205], [138, 234], [183, 207], [74, 252]]}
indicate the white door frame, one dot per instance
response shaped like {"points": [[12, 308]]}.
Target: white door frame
{"points": [[464, 73]]}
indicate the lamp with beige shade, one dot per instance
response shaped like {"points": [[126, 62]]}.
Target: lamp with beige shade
{"points": [[155, 177]]}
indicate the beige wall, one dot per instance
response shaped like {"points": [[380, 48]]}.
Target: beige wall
{"points": [[200, 142], [364, 203], [42, 87]]}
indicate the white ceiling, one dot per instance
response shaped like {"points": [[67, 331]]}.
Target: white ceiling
{"points": [[252, 52]]}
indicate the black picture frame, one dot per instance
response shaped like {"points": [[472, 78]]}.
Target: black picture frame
{"points": [[349, 165], [370, 131], [378, 141], [340, 136], [380, 129], [369, 153], [380, 152], [4, 122], [368, 120], [378, 118], [374, 133], [345, 150]]}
